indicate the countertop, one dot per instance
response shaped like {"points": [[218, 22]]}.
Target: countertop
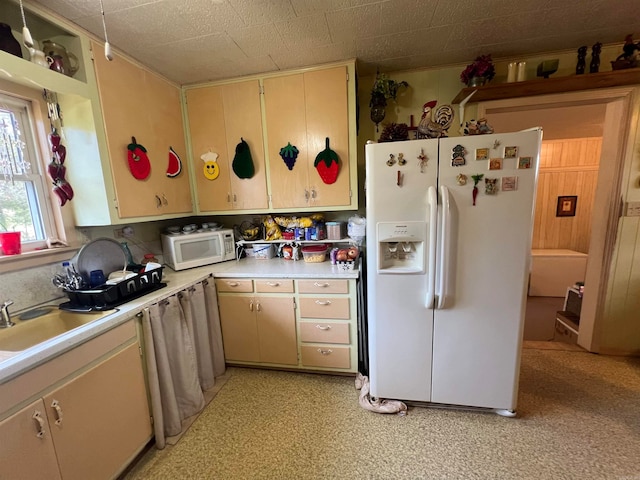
{"points": [[13, 364]]}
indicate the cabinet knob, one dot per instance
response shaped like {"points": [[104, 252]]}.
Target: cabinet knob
{"points": [[232, 284], [251, 306], [158, 202], [313, 193], [258, 307], [306, 194], [164, 200]]}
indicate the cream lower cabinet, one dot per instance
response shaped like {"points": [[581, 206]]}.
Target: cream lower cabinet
{"points": [[327, 321], [257, 327], [27, 451], [88, 415], [305, 324]]}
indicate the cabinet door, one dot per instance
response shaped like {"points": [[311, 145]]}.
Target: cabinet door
{"points": [[239, 329], [24, 454], [327, 114], [243, 120], [167, 130], [136, 103], [100, 419], [277, 330], [286, 123], [207, 131]]}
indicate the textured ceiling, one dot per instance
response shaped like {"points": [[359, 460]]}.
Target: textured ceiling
{"points": [[192, 41]]}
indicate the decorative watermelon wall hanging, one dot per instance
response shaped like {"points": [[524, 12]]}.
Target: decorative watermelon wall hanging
{"points": [[174, 167], [139, 164], [289, 155], [242, 162], [327, 164]]}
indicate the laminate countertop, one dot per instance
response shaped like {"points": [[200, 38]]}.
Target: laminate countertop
{"points": [[13, 364]]}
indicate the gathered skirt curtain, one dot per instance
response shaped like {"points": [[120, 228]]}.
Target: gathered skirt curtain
{"points": [[184, 354]]}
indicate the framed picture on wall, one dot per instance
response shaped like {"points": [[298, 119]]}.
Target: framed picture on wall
{"points": [[566, 206]]}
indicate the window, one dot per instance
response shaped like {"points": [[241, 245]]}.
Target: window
{"points": [[24, 204]]}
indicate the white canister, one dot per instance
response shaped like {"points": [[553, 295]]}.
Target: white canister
{"points": [[38, 57], [522, 71], [512, 72]]}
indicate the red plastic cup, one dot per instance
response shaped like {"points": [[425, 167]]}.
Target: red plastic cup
{"points": [[10, 243]]}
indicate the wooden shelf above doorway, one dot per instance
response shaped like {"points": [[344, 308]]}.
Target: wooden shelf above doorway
{"points": [[546, 86]]}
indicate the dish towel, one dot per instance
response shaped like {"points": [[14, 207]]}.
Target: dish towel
{"points": [[378, 405]]}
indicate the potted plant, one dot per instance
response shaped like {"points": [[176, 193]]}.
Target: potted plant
{"points": [[479, 72], [383, 89]]}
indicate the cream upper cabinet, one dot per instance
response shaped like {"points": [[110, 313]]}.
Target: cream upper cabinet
{"points": [[219, 118], [304, 110], [137, 103]]}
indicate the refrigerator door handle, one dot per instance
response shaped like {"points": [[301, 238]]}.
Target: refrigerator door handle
{"points": [[432, 199], [445, 248]]}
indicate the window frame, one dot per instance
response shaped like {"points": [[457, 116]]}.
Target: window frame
{"points": [[23, 110]]}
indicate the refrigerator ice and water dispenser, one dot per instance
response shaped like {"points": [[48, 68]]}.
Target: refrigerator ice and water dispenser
{"points": [[401, 247]]}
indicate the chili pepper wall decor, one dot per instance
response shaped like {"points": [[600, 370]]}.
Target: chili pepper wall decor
{"points": [[57, 171]]}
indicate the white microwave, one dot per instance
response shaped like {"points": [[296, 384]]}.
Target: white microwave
{"points": [[188, 250]]}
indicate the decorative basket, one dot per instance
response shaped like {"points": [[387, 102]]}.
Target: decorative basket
{"points": [[347, 266]]}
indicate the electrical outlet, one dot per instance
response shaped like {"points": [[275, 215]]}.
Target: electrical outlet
{"points": [[127, 231]]}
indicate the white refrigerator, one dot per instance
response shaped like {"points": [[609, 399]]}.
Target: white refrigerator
{"points": [[447, 279]]}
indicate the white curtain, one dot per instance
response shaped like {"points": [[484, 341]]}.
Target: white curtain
{"points": [[183, 350]]}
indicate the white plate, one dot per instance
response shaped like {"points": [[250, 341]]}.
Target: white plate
{"points": [[103, 254]]}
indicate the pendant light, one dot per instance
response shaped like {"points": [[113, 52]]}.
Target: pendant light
{"points": [[107, 45], [27, 39]]}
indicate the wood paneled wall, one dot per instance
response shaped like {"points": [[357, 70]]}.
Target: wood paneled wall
{"points": [[567, 167]]}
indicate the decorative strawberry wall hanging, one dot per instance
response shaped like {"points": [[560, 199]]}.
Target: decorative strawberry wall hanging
{"points": [[174, 167], [139, 164], [327, 164], [289, 155]]}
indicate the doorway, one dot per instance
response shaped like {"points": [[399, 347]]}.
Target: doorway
{"points": [[578, 131]]}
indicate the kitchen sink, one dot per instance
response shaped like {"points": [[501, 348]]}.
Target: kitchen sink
{"points": [[48, 324]]}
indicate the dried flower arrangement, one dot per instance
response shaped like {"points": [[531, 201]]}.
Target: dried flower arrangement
{"points": [[482, 66]]}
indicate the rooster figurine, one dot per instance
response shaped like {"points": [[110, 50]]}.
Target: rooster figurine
{"points": [[435, 123]]}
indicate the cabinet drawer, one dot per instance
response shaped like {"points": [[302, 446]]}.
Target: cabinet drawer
{"points": [[319, 307], [324, 332], [234, 285], [274, 286], [333, 357], [328, 285]]}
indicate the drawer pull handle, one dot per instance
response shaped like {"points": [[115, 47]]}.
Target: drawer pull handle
{"points": [[328, 351], [273, 284], [233, 284], [56, 406], [251, 306], [323, 327], [37, 416], [323, 302], [318, 284]]}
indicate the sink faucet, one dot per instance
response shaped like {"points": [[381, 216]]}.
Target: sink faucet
{"points": [[5, 320]]}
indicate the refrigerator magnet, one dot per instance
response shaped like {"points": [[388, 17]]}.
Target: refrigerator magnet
{"points": [[509, 184], [490, 186], [458, 159], [524, 162], [392, 159], [422, 160], [401, 159], [510, 152], [461, 179], [495, 164], [482, 154]]}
